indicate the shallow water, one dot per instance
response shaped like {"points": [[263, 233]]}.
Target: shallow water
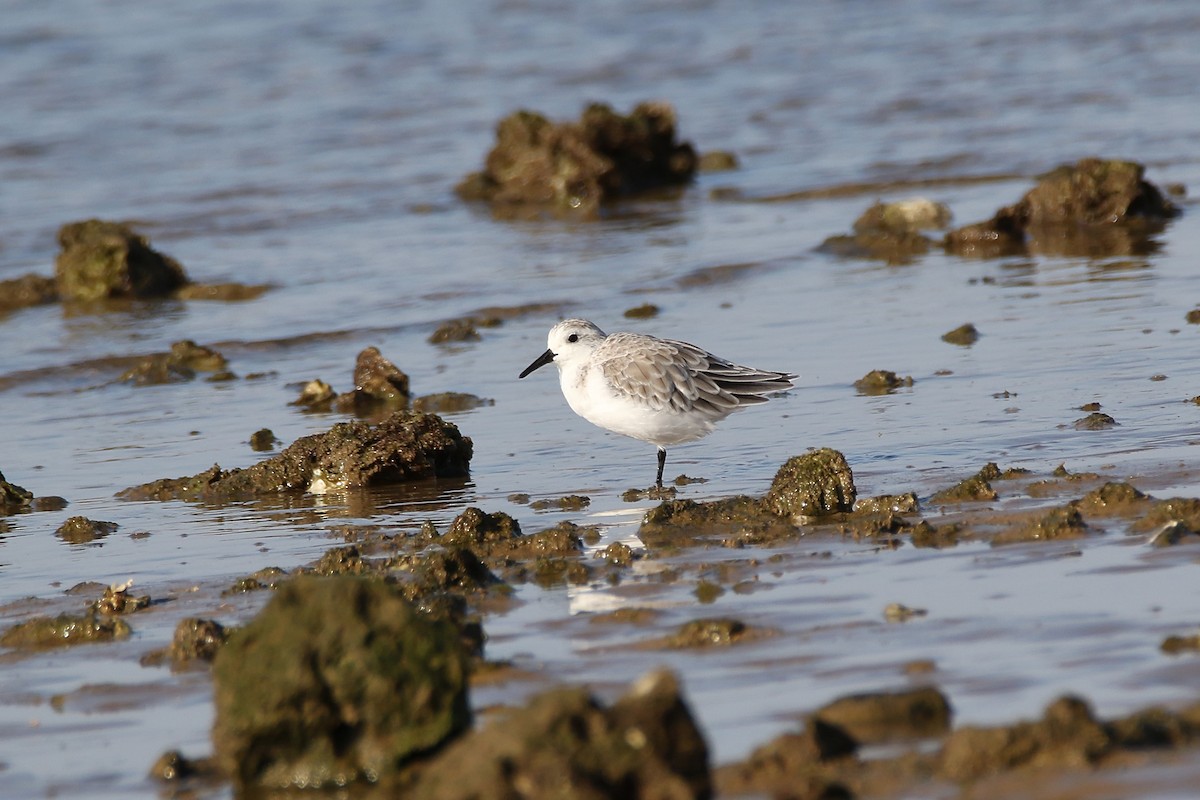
{"points": [[315, 148]]}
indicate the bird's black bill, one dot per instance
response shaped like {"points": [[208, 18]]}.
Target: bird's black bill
{"points": [[541, 361]]}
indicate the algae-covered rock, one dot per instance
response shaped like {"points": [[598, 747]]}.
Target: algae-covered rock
{"points": [[563, 745], [675, 523], [184, 360], [64, 630], [709, 632], [477, 528], [1113, 499], [316, 395], [793, 765], [263, 440], [881, 381], [814, 484], [27, 290], [1092, 208], [1058, 523], [1096, 421], [102, 259], [455, 330], [377, 382], [978, 487], [117, 599], [195, 639], [575, 167], [336, 680], [891, 232], [13, 498], [1068, 735], [964, 335], [403, 447], [884, 716], [81, 530]]}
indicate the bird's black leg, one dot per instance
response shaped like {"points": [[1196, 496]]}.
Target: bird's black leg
{"points": [[662, 460]]}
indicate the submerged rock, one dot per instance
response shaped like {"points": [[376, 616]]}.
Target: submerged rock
{"points": [[403, 447], [575, 167], [964, 335], [1059, 523], [891, 232], [563, 745], [814, 484], [27, 290], [117, 600], [881, 381], [455, 330], [1095, 207], [1097, 421], [316, 395], [184, 360], [81, 530], [717, 631], [102, 260], [977, 488], [336, 680], [64, 630]]}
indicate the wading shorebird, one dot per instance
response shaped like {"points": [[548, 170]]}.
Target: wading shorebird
{"points": [[660, 391]]}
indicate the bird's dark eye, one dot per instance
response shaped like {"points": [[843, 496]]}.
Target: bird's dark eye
{"points": [[574, 337]]}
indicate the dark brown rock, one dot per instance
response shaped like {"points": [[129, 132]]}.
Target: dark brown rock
{"points": [[403, 447]]}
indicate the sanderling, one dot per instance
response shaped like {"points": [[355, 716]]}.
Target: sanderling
{"points": [[660, 391]]}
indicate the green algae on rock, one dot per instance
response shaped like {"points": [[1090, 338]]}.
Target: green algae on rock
{"points": [[336, 680], [815, 484], [565, 745], [64, 630], [102, 260], [575, 167], [405, 446]]}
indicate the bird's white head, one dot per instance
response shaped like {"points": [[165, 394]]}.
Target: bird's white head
{"points": [[569, 341]]}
